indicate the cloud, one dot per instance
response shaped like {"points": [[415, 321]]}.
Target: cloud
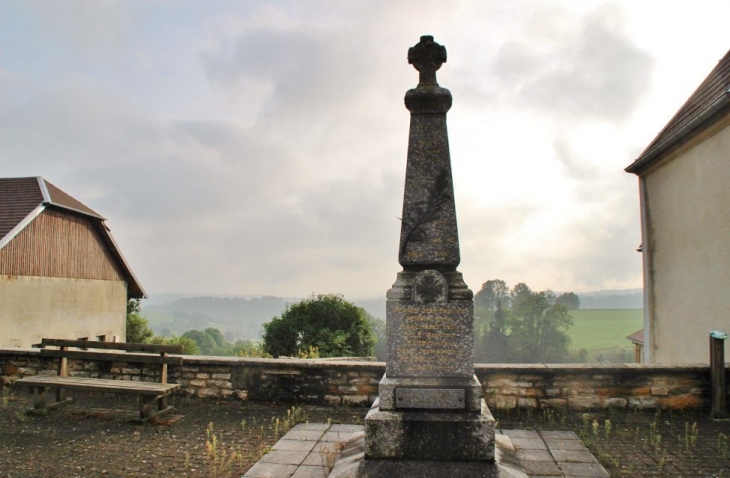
{"points": [[279, 167], [576, 68], [96, 28]]}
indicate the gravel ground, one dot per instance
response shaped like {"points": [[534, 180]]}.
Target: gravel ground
{"points": [[96, 437], [642, 443]]}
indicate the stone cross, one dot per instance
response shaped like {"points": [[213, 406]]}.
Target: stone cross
{"points": [[427, 57]]}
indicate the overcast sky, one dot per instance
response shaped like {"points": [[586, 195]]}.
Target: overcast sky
{"points": [[260, 147]]}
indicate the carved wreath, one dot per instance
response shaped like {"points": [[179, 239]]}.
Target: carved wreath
{"points": [[424, 212]]}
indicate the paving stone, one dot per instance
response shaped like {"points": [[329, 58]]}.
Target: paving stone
{"points": [[573, 456], [310, 472], [528, 443], [270, 470], [315, 458], [311, 426], [557, 444], [304, 435], [585, 470], [562, 434], [541, 468], [534, 455], [285, 457], [294, 445], [336, 436], [521, 433], [340, 427]]}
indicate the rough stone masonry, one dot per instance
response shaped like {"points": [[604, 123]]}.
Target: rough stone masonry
{"points": [[430, 405]]}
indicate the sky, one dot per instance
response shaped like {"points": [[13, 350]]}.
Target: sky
{"points": [[260, 147]]}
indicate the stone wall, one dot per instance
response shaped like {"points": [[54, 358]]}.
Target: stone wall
{"points": [[356, 382]]}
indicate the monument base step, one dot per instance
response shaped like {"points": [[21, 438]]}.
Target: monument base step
{"points": [[432, 436], [353, 464], [455, 393]]}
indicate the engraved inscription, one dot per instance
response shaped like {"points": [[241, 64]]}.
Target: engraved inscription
{"points": [[432, 398], [430, 340]]}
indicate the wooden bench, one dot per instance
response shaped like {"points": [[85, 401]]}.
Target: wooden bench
{"points": [[150, 393]]}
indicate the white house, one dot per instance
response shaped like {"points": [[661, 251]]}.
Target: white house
{"points": [[684, 189]]}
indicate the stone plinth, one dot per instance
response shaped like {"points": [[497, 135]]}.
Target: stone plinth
{"points": [[430, 435]]}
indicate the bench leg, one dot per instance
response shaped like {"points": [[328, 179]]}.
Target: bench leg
{"points": [[39, 398], [146, 410]]}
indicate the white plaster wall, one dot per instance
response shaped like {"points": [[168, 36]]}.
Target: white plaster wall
{"points": [[32, 308], [688, 203]]}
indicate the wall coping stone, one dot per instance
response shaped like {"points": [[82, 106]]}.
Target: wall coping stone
{"points": [[629, 368]]}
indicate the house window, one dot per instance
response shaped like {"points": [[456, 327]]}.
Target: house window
{"points": [[101, 338]]}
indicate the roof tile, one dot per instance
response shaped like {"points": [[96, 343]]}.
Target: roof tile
{"points": [[714, 87]]}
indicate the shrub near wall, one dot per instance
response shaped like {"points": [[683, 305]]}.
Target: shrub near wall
{"points": [[356, 382]]}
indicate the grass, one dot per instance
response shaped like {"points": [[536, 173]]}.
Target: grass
{"points": [[604, 328]]}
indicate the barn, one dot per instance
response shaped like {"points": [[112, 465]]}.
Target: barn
{"points": [[61, 272]]}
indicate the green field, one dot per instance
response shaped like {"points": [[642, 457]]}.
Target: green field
{"points": [[604, 328]]}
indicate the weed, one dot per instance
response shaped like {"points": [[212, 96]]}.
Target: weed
{"points": [[662, 459], [690, 435], [586, 422], [328, 454], [722, 445], [218, 459], [607, 429], [20, 416]]}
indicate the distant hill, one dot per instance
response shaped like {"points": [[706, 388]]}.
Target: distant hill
{"points": [[241, 316], [238, 317], [612, 299]]}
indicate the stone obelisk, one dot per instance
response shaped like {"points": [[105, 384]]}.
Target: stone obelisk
{"points": [[430, 405]]}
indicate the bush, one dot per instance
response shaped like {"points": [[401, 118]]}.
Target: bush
{"points": [[327, 323]]}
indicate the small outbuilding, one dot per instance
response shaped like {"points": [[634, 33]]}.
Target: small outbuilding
{"points": [[61, 273], [684, 191]]}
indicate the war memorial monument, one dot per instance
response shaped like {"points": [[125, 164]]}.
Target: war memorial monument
{"points": [[430, 419]]}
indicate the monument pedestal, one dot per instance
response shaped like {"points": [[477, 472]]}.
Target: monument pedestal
{"points": [[429, 435]]}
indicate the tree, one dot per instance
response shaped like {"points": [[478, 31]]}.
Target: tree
{"points": [[335, 327], [494, 293], [538, 326], [496, 338], [138, 329], [377, 327], [520, 325], [570, 300], [189, 347]]}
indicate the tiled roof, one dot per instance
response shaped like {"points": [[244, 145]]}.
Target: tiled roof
{"points": [[698, 111], [637, 337], [61, 199], [18, 198], [21, 199]]}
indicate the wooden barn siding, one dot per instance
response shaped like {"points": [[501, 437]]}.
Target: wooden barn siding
{"points": [[56, 244]]}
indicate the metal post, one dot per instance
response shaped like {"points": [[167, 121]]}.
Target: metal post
{"points": [[717, 374]]}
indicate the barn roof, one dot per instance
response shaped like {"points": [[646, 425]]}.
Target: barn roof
{"points": [[22, 199], [701, 109]]}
